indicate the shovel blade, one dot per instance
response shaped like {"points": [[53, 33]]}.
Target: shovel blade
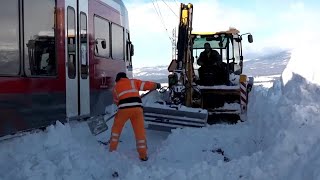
{"points": [[97, 125]]}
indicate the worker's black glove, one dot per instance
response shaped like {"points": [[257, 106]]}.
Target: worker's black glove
{"points": [[158, 85]]}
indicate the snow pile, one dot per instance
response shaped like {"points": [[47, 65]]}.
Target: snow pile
{"points": [[304, 61], [279, 140], [266, 81], [152, 97], [287, 125], [62, 152]]}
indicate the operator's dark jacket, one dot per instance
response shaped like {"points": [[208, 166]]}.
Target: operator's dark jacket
{"points": [[206, 60], [212, 71]]}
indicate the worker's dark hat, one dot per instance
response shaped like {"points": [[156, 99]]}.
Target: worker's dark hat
{"points": [[121, 75]]}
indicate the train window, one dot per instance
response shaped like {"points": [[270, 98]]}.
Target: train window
{"points": [[83, 46], [117, 42], [9, 38], [127, 47], [71, 41], [128, 50], [39, 38], [102, 37]]}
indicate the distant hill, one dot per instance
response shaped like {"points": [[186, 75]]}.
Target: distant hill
{"points": [[156, 73], [258, 65], [266, 65]]}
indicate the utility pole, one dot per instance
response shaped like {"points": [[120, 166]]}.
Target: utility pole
{"points": [[174, 43]]}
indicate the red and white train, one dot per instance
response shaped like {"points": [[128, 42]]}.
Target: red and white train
{"points": [[59, 59]]}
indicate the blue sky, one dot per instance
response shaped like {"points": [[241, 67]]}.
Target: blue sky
{"points": [[273, 23]]}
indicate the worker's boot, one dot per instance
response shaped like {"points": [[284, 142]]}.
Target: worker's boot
{"points": [[145, 158]]}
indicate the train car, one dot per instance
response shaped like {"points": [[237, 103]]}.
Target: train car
{"points": [[58, 60]]}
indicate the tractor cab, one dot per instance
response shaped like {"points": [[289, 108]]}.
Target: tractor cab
{"points": [[224, 58]]}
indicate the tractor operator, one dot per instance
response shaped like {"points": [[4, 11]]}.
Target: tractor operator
{"points": [[209, 56], [212, 70]]}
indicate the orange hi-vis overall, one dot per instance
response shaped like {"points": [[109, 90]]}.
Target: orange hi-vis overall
{"points": [[126, 96]]}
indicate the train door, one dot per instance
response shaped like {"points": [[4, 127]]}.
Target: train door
{"points": [[77, 61]]}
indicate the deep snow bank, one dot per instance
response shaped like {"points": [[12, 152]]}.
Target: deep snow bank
{"points": [[66, 152], [305, 61], [280, 140], [60, 153]]}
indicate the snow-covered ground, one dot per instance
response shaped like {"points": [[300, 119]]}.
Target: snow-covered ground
{"points": [[280, 140]]}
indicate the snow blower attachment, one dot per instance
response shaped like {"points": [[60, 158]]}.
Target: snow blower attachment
{"points": [[217, 91], [160, 114], [166, 117]]}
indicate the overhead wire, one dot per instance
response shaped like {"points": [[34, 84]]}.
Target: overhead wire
{"points": [[160, 12], [177, 3], [170, 8], [161, 18]]}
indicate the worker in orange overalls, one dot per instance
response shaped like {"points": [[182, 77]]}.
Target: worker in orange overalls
{"points": [[126, 96]]}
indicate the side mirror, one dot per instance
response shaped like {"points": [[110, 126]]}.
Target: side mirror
{"points": [[103, 44], [250, 38], [131, 50]]}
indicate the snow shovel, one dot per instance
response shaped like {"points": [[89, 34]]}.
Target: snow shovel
{"points": [[97, 125]]}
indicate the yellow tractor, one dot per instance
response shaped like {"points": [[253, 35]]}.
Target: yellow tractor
{"points": [[203, 90]]}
